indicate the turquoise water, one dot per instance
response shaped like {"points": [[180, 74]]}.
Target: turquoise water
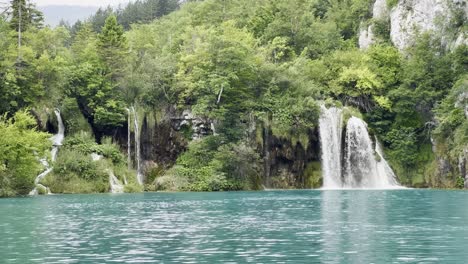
{"points": [[399, 226]]}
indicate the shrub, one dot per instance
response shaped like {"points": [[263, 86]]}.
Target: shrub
{"points": [[20, 145], [392, 3]]}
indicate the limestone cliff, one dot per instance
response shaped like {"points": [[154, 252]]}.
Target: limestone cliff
{"points": [[445, 19]]}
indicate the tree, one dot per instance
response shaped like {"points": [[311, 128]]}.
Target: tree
{"points": [[112, 47], [24, 15], [218, 73], [21, 146], [93, 80]]}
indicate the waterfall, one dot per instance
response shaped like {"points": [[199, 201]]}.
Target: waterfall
{"points": [[363, 165], [115, 185], [385, 173], [129, 140], [137, 147], [366, 166], [57, 140], [360, 163], [330, 123]]}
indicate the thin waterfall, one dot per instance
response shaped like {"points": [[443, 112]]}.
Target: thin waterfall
{"points": [[129, 140], [330, 123], [57, 140], [385, 173], [137, 147]]}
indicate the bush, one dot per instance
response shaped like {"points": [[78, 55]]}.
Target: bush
{"points": [[20, 146], [392, 3], [209, 165], [72, 162], [73, 184], [84, 143], [403, 146], [460, 183], [241, 164]]}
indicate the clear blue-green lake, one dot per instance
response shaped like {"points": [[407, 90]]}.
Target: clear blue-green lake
{"points": [[397, 226]]}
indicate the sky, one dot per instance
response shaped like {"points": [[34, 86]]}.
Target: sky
{"points": [[80, 2]]}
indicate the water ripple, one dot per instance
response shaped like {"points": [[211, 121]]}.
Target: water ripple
{"points": [[398, 226]]}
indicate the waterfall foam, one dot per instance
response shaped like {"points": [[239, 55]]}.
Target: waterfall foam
{"points": [[360, 163], [363, 165], [385, 173], [330, 123], [115, 185], [57, 140]]}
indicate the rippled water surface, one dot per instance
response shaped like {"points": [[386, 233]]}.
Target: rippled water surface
{"points": [[399, 226]]}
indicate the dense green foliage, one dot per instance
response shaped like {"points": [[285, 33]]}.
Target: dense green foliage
{"points": [[256, 69], [21, 146], [76, 172], [210, 165]]}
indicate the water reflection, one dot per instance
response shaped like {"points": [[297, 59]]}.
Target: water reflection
{"points": [[252, 227], [393, 226], [351, 227]]}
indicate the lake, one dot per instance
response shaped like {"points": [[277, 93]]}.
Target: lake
{"points": [[310, 226]]}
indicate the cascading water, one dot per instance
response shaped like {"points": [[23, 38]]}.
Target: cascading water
{"points": [[57, 140], [363, 165], [137, 147], [385, 173], [330, 123], [129, 140], [360, 163], [115, 185]]}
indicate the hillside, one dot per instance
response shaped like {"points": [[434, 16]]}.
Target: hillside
{"points": [[234, 95]]}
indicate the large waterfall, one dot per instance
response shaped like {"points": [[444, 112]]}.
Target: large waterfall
{"points": [[330, 123], [359, 163], [57, 140]]}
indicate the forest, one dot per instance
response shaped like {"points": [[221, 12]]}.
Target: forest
{"points": [[223, 95]]}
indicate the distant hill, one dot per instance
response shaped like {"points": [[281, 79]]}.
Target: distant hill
{"points": [[54, 13]]}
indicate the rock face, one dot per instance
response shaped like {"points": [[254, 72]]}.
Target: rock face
{"points": [[163, 140], [200, 127], [409, 18], [366, 34], [286, 162], [462, 102], [462, 166], [366, 37], [380, 9]]}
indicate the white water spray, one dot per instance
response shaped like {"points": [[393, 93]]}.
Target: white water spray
{"points": [[384, 171], [360, 163], [115, 185], [57, 140], [330, 123], [363, 165], [366, 166]]}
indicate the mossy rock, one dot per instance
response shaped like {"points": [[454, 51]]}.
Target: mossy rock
{"points": [[349, 112], [313, 175], [42, 190]]}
